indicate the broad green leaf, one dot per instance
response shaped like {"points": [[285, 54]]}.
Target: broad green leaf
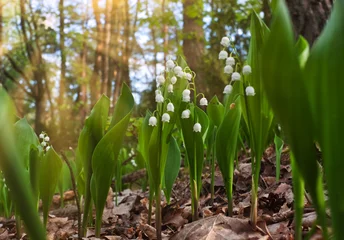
{"points": [[90, 135], [215, 111], [16, 176], [172, 167], [259, 113], [34, 171], [279, 147], [226, 147], [324, 75], [287, 96], [106, 153], [50, 170], [25, 137]]}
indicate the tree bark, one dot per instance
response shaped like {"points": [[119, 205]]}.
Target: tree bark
{"points": [[62, 89], [106, 55], [309, 17], [193, 43], [96, 78], [123, 75]]}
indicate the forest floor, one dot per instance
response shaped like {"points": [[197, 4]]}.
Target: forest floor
{"points": [[128, 220]]}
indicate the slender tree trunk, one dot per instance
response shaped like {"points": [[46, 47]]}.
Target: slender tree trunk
{"points": [[123, 76], [309, 17], [62, 89], [106, 55], [95, 78], [193, 44]]}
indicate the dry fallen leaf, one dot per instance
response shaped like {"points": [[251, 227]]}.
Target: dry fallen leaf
{"points": [[218, 227]]}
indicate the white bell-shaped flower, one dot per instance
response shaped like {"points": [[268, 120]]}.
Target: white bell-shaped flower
{"points": [[203, 102], [181, 74], [186, 92], [173, 79], [159, 98], [41, 135], [228, 89], [157, 92], [225, 42], [177, 70], [43, 144], [47, 148], [236, 76], [250, 91], [186, 95], [47, 139], [170, 107], [230, 61], [152, 121], [165, 117], [246, 70], [188, 76], [223, 54], [170, 88], [186, 114], [197, 127], [228, 69], [170, 64], [160, 79], [186, 98]]}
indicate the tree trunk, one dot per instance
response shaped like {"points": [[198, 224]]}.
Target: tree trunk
{"points": [[123, 76], [62, 90], [107, 36], [193, 44], [309, 17], [95, 78]]}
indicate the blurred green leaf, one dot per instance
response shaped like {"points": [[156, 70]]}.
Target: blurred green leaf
{"points": [[25, 137], [324, 77], [288, 97], [50, 170], [14, 172]]}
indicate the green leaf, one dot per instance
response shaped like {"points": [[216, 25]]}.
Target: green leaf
{"points": [[106, 153], [34, 171], [215, 111], [287, 94], [25, 137], [279, 147], [302, 48], [16, 176], [172, 167], [259, 112], [90, 135], [50, 171], [324, 75], [226, 147]]}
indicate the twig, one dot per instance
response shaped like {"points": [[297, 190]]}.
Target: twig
{"points": [[75, 192]]}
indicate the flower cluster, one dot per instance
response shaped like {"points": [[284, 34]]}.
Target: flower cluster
{"points": [[165, 86], [232, 67], [45, 141]]}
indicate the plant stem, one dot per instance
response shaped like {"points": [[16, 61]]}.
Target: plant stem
{"points": [[98, 225], [158, 218], [212, 184], [151, 194], [18, 224], [254, 202], [76, 194], [194, 200]]}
